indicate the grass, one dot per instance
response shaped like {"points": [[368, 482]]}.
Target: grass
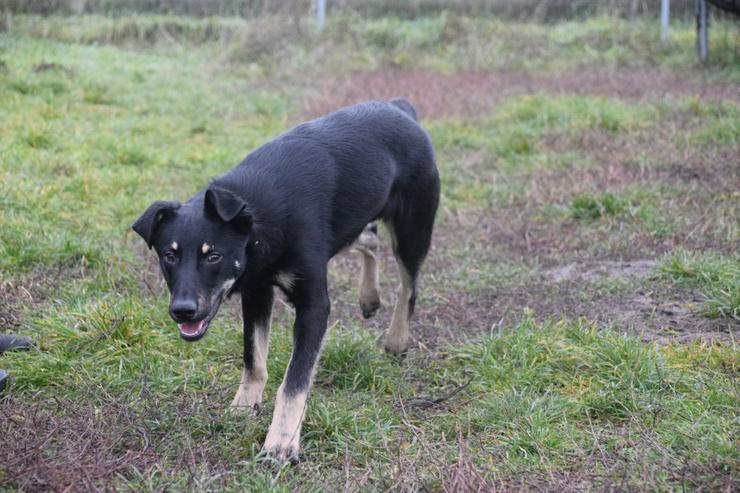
{"points": [[715, 276], [446, 42], [590, 207], [533, 388], [602, 375]]}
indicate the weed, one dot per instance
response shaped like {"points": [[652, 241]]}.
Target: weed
{"points": [[717, 279], [38, 139], [597, 207], [96, 94]]}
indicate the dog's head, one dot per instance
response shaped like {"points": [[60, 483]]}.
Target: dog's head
{"points": [[202, 247]]}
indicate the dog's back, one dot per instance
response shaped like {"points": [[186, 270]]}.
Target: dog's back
{"points": [[354, 163]]}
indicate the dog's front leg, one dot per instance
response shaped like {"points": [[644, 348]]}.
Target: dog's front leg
{"points": [[257, 313], [283, 437]]}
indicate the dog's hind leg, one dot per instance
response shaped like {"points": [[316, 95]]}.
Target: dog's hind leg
{"points": [[411, 232], [367, 244], [257, 311], [397, 337]]}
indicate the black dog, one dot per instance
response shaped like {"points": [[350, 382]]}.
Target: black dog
{"points": [[277, 219]]}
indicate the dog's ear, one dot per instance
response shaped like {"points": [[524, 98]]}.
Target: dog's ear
{"points": [[231, 209], [147, 224]]}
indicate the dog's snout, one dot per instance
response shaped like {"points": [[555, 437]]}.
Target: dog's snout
{"points": [[183, 310]]}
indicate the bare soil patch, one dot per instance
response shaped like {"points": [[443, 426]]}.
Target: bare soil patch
{"points": [[10, 317], [61, 445], [653, 156], [20, 296], [66, 444], [439, 95], [664, 315], [596, 270]]}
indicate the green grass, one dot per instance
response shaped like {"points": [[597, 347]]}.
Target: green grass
{"points": [[542, 382], [541, 396], [715, 276], [590, 207], [537, 384], [447, 41]]}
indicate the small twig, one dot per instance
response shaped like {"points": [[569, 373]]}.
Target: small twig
{"points": [[596, 439], [415, 430], [425, 402], [345, 467]]}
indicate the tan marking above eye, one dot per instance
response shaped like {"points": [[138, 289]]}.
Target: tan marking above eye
{"points": [[205, 248], [174, 245]]}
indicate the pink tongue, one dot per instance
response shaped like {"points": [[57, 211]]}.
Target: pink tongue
{"points": [[191, 328]]}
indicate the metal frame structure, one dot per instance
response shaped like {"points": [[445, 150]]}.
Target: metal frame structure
{"points": [[702, 30], [702, 22]]}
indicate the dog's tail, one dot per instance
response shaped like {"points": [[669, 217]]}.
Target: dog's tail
{"points": [[405, 106]]}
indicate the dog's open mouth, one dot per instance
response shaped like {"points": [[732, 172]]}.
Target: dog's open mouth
{"points": [[193, 331]]}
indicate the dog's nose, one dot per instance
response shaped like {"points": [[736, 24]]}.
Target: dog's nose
{"points": [[183, 310]]}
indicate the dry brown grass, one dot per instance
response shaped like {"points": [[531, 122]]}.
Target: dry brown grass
{"points": [[470, 94], [60, 445]]}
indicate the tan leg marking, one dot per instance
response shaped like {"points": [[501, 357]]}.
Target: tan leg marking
{"points": [[397, 337], [367, 245], [283, 441], [253, 381], [284, 436]]}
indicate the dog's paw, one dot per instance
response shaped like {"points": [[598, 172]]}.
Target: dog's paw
{"points": [[369, 308], [243, 401], [282, 445], [280, 455], [396, 347]]}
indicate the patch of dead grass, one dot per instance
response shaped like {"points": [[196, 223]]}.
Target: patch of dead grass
{"points": [[469, 94], [60, 445]]}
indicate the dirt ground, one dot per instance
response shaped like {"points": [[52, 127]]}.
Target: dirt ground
{"points": [[656, 312]]}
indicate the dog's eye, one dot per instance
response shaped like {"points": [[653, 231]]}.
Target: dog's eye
{"points": [[169, 257], [213, 258]]}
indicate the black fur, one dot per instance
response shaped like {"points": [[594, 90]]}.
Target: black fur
{"points": [[289, 207]]}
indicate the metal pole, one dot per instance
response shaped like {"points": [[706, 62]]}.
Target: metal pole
{"points": [[320, 14], [665, 8], [702, 28]]}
